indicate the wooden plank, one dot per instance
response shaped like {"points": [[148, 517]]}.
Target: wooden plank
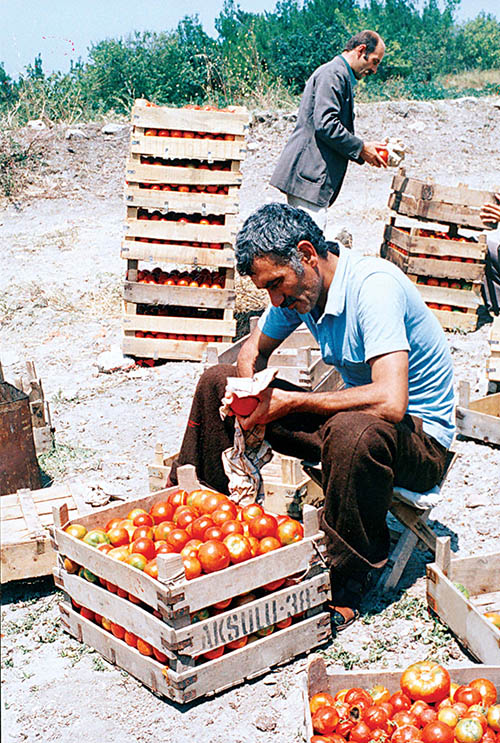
{"points": [[436, 211], [461, 195], [178, 254], [30, 514], [180, 231], [157, 348], [233, 121], [435, 246], [186, 203], [198, 637], [437, 268], [141, 173], [466, 322], [186, 148], [208, 677], [180, 325], [453, 297], [26, 559], [184, 296]]}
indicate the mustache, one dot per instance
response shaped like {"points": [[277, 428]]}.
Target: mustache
{"points": [[288, 301]]}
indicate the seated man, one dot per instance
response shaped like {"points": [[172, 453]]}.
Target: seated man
{"points": [[391, 424]]}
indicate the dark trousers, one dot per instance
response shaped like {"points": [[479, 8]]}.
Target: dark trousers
{"points": [[361, 457]]}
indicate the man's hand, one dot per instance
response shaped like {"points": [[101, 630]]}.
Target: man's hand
{"points": [[490, 213], [274, 403], [370, 155]]}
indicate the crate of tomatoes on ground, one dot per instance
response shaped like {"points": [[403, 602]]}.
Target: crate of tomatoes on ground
{"points": [[189, 592], [182, 182], [425, 703], [447, 264]]}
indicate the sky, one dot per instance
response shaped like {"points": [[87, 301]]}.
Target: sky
{"points": [[61, 30]]}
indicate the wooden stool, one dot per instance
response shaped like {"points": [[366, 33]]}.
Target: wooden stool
{"points": [[412, 510]]}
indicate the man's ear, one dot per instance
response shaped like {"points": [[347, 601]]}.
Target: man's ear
{"points": [[309, 254]]}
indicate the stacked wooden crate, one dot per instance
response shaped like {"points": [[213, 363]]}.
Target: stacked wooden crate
{"points": [[447, 265], [182, 182], [177, 617]]}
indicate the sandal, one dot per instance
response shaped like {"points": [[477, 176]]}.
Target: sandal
{"points": [[342, 617]]}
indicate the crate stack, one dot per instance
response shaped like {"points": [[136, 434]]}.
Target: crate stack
{"points": [[447, 265], [182, 183], [198, 648]]}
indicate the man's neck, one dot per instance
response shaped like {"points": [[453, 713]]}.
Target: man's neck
{"points": [[327, 267]]}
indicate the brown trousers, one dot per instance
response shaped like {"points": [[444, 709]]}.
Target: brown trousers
{"points": [[361, 457]]}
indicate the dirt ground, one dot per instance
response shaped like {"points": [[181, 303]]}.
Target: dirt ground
{"points": [[61, 278]]}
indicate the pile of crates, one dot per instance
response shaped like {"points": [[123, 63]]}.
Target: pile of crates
{"points": [[207, 633], [446, 264], [182, 182]]}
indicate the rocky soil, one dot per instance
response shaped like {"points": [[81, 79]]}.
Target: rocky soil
{"points": [[60, 278]]}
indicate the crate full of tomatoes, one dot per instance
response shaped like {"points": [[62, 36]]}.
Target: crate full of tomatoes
{"points": [[425, 703], [189, 592]]}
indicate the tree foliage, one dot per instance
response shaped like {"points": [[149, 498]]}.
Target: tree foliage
{"points": [[257, 52]]}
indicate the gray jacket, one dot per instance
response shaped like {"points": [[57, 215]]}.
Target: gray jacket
{"points": [[314, 160]]}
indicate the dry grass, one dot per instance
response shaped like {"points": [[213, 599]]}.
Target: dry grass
{"points": [[471, 79]]}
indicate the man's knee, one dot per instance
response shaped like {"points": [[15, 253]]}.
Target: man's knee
{"points": [[215, 378], [358, 435]]}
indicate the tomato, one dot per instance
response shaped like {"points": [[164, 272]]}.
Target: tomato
{"points": [[130, 639], [134, 512], [70, 566], [353, 695], [212, 654], [383, 153], [177, 498], [427, 716], [191, 548], [448, 716], [344, 727], [325, 720], [388, 708], [178, 538], [323, 699], [268, 544], [406, 734], [380, 694], [360, 733], [254, 545], [160, 657], [263, 526], [143, 546], [137, 561], [162, 511], [128, 525], [118, 536], [400, 701], [236, 644], [144, 647], [185, 517], [493, 717], [460, 708], [376, 717], [143, 519], [238, 548], [358, 709], [213, 533], [251, 511], [404, 717], [164, 548], [95, 537], [143, 532], [117, 630], [76, 530], [417, 708], [437, 732], [274, 585], [290, 531], [486, 689], [87, 613], [489, 737], [212, 502], [244, 406], [213, 556], [232, 526], [467, 695], [493, 616], [228, 507], [151, 569], [111, 524], [426, 680], [478, 716], [468, 730], [192, 567], [220, 516], [119, 553]]}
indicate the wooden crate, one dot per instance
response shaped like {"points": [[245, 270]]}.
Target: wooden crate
{"points": [[458, 205], [208, 678], [478, 419], [173, 596], [232, 120], [464, 303], [319, 679], [18, 462], [175, 253], [480, 575], [288, 487], [179, 232], [26, 550], [186, 203], [433, 256]]}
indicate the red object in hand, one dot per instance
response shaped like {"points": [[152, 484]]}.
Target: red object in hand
{"points": [[383, 153], [244, 406]]}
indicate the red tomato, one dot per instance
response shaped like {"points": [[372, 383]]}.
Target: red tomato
{"points": [[143, 519], [400, 701], [376, 717], [493, 717], [426, 680], [212, 654], [252, 511], [325, 720], [144, 647], [185, 517], [427, 716], [143, 546], [448, 715], [191, 548], [383, 153], [437, 732], [406, 734], [213, 533], [212, 502], [404, 717], [468, 730], [200, 525], [268, 544], [177, 498], [355, 694], [467, 695], [244, 406], [213, 556], [274, 584], [118, 536], [238, 548], [117, 630], [263, 526], [87, 613], [360, 733], [177, 538], [130, 639], [323, 699], [232, 526], [219, 516], [486, 689], [478, 715], [192, 567], [160, 657], [290, 531], [380, 694], [143, 532], [135, 512], [110, 525], [417, 708], [344, 727], [229, 507], [164, 548], [163, 530], [151, 569]]}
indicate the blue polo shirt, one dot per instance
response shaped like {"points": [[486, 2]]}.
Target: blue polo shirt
{"points": [[372, 309]]}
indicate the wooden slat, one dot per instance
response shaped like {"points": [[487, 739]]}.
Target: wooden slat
{"points": [[461, 195], [157, 348], [435, 246], [142, 173], [183, 119], [184, 296], [453, 297], [479, 419], [180, 231], [180, 325], [189, 149], [178, 254], [437, 268], [457, 320]]}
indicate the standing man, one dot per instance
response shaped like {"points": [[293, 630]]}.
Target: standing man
{"points": [[313, 163], [391, 424]]}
